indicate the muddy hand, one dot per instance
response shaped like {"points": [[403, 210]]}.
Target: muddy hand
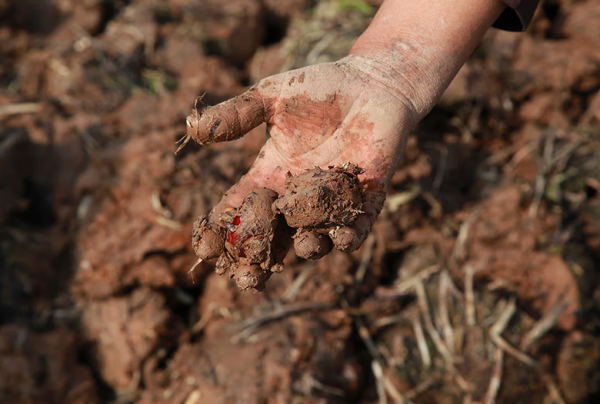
{"points": [[358, 109], [324, 115]]}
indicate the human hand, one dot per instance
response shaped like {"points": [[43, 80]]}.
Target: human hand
{"points": [[358, 109], [323, 115]]}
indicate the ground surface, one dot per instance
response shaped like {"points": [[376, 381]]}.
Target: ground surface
{"points": [[479, 282]]}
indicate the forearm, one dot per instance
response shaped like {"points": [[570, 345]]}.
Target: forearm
{"points": [[423, 43]]}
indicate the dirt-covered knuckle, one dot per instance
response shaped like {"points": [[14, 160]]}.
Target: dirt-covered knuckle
{"points": [[251, 277], [311, 245], [208, 238], [347, 239]]}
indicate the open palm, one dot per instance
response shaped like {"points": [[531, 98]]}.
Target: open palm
{"points": [[322, 115]]}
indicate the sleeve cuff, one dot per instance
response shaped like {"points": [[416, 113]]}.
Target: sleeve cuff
{"points": [[517, 16]]}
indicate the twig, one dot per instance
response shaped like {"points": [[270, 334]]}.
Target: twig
{"points": [[496, 379], [519, 155], [198, 261], [495, 331], [206, 317], [393, 392], [365, 335], [292, 291], [541, 180], [22, 108], [376, 363], [444, 296], [387, 321], [379, 382], [498, 328], [463, 233], [469, 296], [393, 202], [317, 385], [409, 283], [495, 334], [544, 324], [364, 262], [194, 397], [436, 206], [248, 327], [421, 342], [437, 340], [184, 140], [158, 206], [421, 387], [171, 224], [433, 333], [553, 389], [500, 155]]}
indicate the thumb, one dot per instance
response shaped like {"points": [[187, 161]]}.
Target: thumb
{"points": [[233, 118]]}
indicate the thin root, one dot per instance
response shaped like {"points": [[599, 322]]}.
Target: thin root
{"points": [[185, 140], [379, 381], [421, 341], [542, 326], [198, 261], [498, 328], [496, 379], [469, 296]]}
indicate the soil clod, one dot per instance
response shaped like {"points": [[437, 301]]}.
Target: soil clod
{"points": [[208, 239], [247, 246], [309, 245], [322, 198], [252, 239]]}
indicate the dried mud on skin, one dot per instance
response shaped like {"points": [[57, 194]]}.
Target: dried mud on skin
{"points": [[321, 199], [251, 240], [96, 303], [317, 203], [245, 245]]}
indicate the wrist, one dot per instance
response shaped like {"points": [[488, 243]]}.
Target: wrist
{"points": [[416, 47]]}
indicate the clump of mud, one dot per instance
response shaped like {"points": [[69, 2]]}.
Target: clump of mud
{"points": [[252, 239], [208, 239], [319, 202], [245, 240], [322, 198]]}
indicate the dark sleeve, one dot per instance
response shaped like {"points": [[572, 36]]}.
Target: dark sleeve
{"points": [[517, 16]]}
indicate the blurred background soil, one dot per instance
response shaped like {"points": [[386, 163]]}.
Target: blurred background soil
{"points": [[479, 282]]}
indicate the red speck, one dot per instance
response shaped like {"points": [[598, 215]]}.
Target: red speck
{"points": [[233, 238]]}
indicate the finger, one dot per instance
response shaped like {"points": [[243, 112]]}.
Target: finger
{"points": [[350, 238], [311, 245], [251, 277], [208, 239], [234, 118]]}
